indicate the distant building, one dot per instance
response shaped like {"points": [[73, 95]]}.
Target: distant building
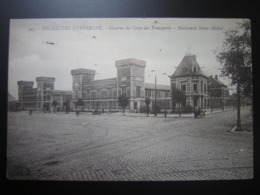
{"points": [[42, 95], [96, 94], [219, 94], [12, 102], [189, 78]]}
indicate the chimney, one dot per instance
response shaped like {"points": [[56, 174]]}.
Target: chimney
{"points": [[216, 77]]}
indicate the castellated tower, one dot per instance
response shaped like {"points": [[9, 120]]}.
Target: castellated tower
{"points": [[131, 77], [80, 76], [24, 86], [45, 85]]}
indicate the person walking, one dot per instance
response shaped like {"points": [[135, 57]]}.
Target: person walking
{"points": [[195, 111]]}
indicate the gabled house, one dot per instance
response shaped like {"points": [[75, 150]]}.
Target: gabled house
{"points": [[219, 94], [190, 78]]}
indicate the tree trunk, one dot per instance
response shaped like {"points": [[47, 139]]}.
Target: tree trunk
{"points": [[238, 109], [179, 110]]}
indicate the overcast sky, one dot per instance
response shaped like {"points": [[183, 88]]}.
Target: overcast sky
{"points": [[53, 47]]}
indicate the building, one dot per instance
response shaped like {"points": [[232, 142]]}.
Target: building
{"points": [[41, 96], [96, 94], [103, 94], [12, 102], [189, 78], [130, 80], [219, 94]]}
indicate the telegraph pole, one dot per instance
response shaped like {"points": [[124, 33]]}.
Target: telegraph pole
{"points": [[155, 111]]}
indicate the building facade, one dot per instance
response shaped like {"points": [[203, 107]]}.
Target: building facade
{"points": [[103, 94], [189, 78], [41, 96], [219, 94]]}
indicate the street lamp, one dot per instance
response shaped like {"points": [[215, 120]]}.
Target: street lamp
{"points": [[93, 98], [165, 114], [155, 111]]}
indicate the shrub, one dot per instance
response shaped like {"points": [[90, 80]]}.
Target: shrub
{"points": [[187, 109]]}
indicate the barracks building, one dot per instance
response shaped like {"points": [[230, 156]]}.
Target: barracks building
{"points": [[130, 80]]}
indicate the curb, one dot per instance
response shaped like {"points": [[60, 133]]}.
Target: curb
{"points": [[233, 130]]}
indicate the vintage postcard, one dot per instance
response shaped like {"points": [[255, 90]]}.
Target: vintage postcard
{"points": [[130, 99]]}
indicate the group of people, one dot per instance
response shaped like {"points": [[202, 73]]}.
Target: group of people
{"points": [[198, 112]]}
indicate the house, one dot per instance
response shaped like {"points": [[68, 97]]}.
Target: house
{"points": [[190, 78], [219, 94]]}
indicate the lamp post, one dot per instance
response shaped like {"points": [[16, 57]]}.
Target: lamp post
{"points": [[165, 113], [93, 97], [155, 111]]}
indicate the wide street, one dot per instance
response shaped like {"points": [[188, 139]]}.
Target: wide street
{"points": [[112, 147]]}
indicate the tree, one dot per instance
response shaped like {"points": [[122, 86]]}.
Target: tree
{"points": [[235, 56], [147, 102], [54, 103], [123, 101], [66, 104], [46, 107], [80, 102], [178, 96]]}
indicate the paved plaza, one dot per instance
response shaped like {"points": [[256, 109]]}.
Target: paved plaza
{"points": [[112, 147]]}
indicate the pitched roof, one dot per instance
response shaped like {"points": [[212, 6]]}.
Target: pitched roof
{"points": [[215, 82], [158, 87], [188, 67], [10, 97]]}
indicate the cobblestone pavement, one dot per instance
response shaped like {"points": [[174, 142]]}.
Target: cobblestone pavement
{"points": [[127, 148]]}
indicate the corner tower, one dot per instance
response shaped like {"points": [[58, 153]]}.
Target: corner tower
{"points": [[79, 76], [131, 77], [23, 87], [45, 85]]}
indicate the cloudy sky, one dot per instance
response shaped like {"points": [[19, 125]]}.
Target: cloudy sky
{"points": [[53, 47]]}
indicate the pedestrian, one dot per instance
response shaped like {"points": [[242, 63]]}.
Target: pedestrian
{"points": [[195, 111]]}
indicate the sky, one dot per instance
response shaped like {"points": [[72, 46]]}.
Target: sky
{"points": [[53, 47]]}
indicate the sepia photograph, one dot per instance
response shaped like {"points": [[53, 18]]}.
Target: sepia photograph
{"points": [[130, 99]]}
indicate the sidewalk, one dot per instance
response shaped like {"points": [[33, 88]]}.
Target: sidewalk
{"points": [[170, 115]]}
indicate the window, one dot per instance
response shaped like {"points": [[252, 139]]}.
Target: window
{"points": [[135, 105], [88, 93], [138, 78], [138, 91], [205, 88], [123, 90], [195, 87], [98, 93], [148, 93], [123, 78], [128, 92], [184, 69], [109, 92], [183, 87], [93, 94], [201, 86], [114, 93], [119, 92], [158, 94]]}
